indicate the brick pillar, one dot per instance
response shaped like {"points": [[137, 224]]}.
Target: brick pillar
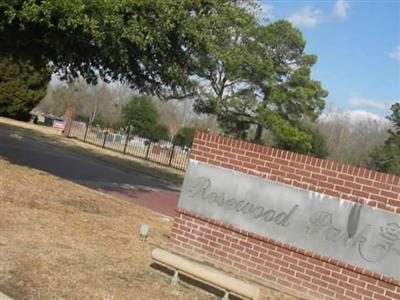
{"points": [[68, 120]]}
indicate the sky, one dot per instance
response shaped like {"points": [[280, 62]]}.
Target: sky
{"points": [[358, 47]]}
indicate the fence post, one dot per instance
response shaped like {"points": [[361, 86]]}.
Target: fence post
{"points": [[69, 114], [126, 141], [105, 138], [147, 151], [172, 155], [86, 131]]}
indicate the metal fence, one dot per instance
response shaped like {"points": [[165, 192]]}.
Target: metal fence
{"points": [[161, 152]]}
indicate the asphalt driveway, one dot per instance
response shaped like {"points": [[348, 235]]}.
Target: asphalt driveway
{"points": [[85, 169]]}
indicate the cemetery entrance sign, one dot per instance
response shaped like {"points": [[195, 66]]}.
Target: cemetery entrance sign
{"points": [[357, 234]]}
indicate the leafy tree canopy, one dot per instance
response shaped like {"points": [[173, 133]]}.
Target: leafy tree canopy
{"points": [[318, 145], [386, 158], [141, 116], [22, 86], [262, 77], [152, 45]]}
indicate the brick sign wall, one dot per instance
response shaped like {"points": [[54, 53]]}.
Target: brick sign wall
{"points": [[284, 265]]}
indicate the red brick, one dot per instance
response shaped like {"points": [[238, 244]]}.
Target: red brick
{"points": [[225, 148], [370, 189], [393, 295], [319, 282], [389, 194], [306, 265], [299, 289], [329, 173], [352, 185], [312, 169], [357, 282], [353, 295], [396, 189], [312, 273], [284, 283], [297, 268], [386, 285], [281, 262], [375, 288], [342, 189], [364, 292], [368, 279], [346, 285], [287, 271], [310, 286], [338, 182], [254, 272], [381, 297], [343, 297], [294, 279], [326, 291], [252, 154], [339, 276], [336, 289], [274, 254], [207, 248], [316, 295], [306, 278]]}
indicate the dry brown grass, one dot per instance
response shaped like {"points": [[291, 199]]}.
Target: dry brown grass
{"points": [[59, 240], [42, 129], [62, 241]]}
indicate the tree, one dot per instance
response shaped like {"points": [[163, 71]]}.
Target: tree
{"points": [[158, 132], [270, 87], [98, 104], [141, 115], [185, 136], [386, 158], [22, 86], [223, 80], [152, 45], [318, 145], [344, 132]]}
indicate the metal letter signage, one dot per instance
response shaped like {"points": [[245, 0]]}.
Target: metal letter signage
{"points": [[359, 235]]}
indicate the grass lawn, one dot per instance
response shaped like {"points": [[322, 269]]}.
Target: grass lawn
{"points": [[59, 240], [53, 136]]}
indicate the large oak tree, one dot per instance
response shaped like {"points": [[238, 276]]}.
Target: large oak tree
{"points": [[152, 45]]}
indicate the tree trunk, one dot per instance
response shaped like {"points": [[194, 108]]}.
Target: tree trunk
{"points": [[257, 136]]}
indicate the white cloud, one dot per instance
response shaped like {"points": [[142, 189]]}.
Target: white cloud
{"points": [[364, 102], [395, 54], [363, 115], [353, 117], [266, 12], [340, 10], [308, 17]]}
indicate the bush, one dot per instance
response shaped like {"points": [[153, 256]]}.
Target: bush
{"points": [[185, 136], [159, 132]]}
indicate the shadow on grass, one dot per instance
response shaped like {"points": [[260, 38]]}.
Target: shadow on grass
{"points": [[72, 146]]}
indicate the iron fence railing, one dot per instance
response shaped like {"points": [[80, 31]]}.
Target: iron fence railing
{"points": [[162, 152]]}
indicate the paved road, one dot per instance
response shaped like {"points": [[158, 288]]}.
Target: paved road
{"points": [[146, 190]]}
